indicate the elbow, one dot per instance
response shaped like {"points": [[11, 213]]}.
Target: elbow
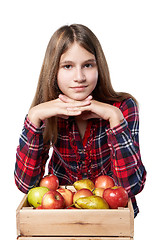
{"points": [[20, 184], [134, 190], [137, 186], [24, 185]]}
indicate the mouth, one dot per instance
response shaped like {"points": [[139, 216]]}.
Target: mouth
{"points": [[79, 88]]}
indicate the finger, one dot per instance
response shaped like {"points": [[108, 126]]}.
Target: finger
{"points": [[73, 113], [65, 99], [73, 109], [89, 97], [82, 107], [78, 104]]}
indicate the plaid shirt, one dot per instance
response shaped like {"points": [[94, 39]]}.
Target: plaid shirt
{"points": [[102, 151]]}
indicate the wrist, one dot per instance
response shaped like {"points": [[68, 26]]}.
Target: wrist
{"points": [[116, 117], [32, 116]]}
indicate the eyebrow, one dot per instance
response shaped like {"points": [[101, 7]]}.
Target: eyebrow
{"points": [[71, 62]]}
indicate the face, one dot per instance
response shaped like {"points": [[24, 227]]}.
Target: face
{"points": [[78, 73]]}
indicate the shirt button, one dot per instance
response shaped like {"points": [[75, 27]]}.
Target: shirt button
{"points": [[110, 131], [84, 175]]}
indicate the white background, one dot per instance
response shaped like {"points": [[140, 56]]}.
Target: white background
{"points": [[129, 34]]}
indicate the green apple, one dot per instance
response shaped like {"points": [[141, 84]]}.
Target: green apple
{"points": [[35, 196]]}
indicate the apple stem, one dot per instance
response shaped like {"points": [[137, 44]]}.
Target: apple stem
{"points": [[92, 190], [70, 205]]}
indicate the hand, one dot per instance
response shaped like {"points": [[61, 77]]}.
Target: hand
{"points": [[57, 108], [104, 111], [98, 110]]}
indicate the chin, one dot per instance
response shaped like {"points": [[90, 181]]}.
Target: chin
{"points": [[79, 97]]}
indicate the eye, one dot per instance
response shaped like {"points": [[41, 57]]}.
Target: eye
{"points": [[67, 66], [88, 65]]}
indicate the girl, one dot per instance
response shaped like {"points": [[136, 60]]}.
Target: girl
{"points": [[93, 129]]}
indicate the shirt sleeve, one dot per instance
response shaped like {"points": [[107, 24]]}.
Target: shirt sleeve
{"points": [[31, 156], [123, 139]]}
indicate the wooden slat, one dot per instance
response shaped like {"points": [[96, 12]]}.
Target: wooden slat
{"points": [[79, 222]]}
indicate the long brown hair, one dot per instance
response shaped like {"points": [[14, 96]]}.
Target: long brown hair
{"points": [[47, 88]]}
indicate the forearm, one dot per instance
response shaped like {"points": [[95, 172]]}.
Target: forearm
{"points": [[30, 157], [113, 115], [128, 170]]}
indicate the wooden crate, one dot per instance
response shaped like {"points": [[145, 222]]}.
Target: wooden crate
{"points": [[74, 224]]}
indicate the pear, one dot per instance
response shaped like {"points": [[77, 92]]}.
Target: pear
{"points": [[98, 192], [92, 202], [35, 196], [84, 183]]}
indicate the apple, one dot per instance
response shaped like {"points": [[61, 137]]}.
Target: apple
{"points": [[104, 181], [35, 196], [50, 181], [52, 200], [98, 192], [67, 195], [39, 207], [116, 197], [84, 192]]}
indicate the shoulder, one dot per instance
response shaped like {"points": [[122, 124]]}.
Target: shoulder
{"points": [[129, 109], [127, 103]]}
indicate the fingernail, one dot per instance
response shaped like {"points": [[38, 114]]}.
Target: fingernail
{"points": [[90, 96]]}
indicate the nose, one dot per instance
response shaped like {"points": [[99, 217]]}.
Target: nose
{"points": [[79, 75]]}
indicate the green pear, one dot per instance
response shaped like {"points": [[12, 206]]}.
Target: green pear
{"points": [[92, 202], [35, 196], [84, 183]]}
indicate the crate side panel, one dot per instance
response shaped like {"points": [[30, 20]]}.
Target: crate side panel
{"points": [[22, 204], [75, 222], [130, 206]]}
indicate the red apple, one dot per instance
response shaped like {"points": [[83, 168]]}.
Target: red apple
{"points": [[104, 181], [67, 195], [52, 200], [116, 197], [84, 192], [50, 181], [98, 192]]}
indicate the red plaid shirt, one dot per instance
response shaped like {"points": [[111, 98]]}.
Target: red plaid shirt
{"points": [[102, 151]]}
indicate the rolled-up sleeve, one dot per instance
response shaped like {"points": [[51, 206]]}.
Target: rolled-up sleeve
{"points": [[123, 140], [31, 156]]}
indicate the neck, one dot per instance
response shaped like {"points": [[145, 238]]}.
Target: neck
{"points": [[82, 125]]}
